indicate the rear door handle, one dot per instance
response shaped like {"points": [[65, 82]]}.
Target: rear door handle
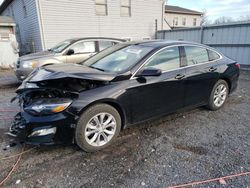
{"points": [[180, 76], [212, 69]]}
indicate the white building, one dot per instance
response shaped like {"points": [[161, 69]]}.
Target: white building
{"points": [[178, 17], [8, 45], [43, 23]]}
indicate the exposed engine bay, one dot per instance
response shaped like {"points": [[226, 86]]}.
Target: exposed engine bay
{"points": [[48, 100], [54, 89]]}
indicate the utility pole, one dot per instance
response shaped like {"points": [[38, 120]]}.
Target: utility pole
{"points": [[156, 28], [164, 2]]}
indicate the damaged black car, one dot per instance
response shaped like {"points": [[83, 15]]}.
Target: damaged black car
{"points": [[91, 102]]}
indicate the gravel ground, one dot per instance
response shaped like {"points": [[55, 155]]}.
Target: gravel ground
{"points": [[8, 79], [194, 145]]}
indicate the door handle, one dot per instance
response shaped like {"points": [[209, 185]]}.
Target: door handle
{"points": [[180, 76], [212, 69]]}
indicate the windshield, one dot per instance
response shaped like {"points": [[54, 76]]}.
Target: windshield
{"points": [[118, 58], [61, 46]]}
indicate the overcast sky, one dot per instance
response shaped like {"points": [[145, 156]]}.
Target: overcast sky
{"points": [[215, 8]]}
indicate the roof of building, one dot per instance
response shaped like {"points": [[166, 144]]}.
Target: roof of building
{"points": [[180, 10], [6, 21]]}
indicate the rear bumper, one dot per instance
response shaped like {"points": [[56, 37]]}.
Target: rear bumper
{"points": [[234, 82], [24, 125]]}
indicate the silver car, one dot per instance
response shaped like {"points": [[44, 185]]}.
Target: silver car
{"points": [[68, 51]]}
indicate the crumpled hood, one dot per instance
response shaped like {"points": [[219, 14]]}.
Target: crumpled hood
{"points": [[38, 55], [55, 72]]}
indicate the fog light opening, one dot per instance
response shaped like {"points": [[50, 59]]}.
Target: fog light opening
{"points": [[43, 132]]}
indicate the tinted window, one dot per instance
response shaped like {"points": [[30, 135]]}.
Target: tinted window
{"points": [[105, 44], [213, 55], [196, 55], [167, 59], [84, 47]]}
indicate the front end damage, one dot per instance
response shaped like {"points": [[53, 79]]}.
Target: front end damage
{"points": [[47, 115]]}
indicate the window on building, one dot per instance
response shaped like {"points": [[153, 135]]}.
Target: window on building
{"points": [[196, 55], [184, 20], [195, 22], [125, 7], [101, 7], [175, 21], [167, 59]]}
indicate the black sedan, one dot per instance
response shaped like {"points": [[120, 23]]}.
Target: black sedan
{"points": [[90, 103]]}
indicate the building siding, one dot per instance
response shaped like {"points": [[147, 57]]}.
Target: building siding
{"points": [[63, 19], [27, 29]]}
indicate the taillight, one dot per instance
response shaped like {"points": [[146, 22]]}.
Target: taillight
{"points": [[237, 65]]}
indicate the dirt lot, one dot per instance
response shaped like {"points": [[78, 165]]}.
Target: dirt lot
{"points": [[194, 145]]}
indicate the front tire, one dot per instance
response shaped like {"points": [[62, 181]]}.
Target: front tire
{"points": [[97, 127], [218, 95]]}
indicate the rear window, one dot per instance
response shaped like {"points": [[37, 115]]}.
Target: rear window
{"points": [[213, 55], [196, 55]]}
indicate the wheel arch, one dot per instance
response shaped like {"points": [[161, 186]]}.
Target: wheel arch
{"points": [[112, 103], [228, 82]]}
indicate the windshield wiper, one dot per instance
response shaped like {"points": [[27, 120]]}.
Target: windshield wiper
{"points": [[97, 68]]}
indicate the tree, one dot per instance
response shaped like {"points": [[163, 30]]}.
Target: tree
{"points": [[244, 18], [223, 19], [205, 19]]}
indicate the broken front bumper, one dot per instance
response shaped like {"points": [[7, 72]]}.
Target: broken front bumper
{"points": [[43, 130]]}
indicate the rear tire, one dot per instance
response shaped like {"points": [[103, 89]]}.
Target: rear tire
{"points": [[218, 95], [97, 127]]}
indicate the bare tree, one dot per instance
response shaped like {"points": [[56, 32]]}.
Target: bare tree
{"points": [[244, 18], [205, 18], [223, 19]]}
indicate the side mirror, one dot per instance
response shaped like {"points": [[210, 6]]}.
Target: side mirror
{"points": [[149, 71], [70, 52]]}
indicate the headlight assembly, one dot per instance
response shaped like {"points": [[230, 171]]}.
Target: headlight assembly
{"points": [[29, 64], [48, 107]]}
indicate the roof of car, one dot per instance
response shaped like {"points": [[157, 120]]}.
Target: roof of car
{"points": [[161, 43], [97, 38]]}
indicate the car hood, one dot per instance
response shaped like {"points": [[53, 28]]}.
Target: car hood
{"points": [[62, 71], [38, 55]]}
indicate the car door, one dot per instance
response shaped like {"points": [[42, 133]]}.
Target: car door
{"points": [[201, 75], [81, 51], [157, 95]]}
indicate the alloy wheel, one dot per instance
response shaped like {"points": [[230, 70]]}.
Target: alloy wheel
{"points": [[100, 129], [220, 95]]}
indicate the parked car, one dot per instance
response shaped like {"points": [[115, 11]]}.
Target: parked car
{"points": [[69, 51], [91, 103]]}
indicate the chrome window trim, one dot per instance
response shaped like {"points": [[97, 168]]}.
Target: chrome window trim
{"points": [[178, 45]]}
